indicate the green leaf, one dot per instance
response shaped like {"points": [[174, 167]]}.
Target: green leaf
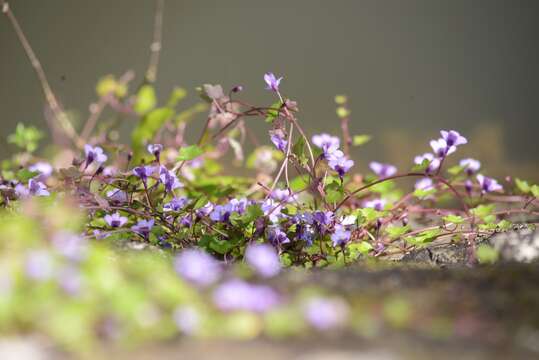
{"points": [[146, 99], [422, 193], [24, 174], [363, 247], [483, 211], [369, 214], [299, 150], [109, 85], [342, 112], [455, 170], [299, 182], [177, 95], [455, 219], [359, 140], [486, 254], [273, 112], [189, 153], [424, 237], [148, 127], [523, 186], [26, 138], [535, 191], [395, 232]]}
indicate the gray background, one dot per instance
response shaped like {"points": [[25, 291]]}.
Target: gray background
{"points": [[409, 67]]}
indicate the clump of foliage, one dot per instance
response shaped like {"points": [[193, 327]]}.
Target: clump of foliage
{"points": [[301, 203]]}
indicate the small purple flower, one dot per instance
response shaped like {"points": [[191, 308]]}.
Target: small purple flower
{"points": [[71, 246], [221, 213], [468, 185], [176, 204], [272, 209], [453, 138], [94, 154], [325, 314], [340, 163], [272, 82], [43, 168], [383, 170], [155, 150], [187, 220], [424, 184], [264, 259], [143, 227], [169, 179], [340, 236], [237, 295], [376, 204], [434, 163], [37, 188], [39, 265], [441, 148], [143, 172], [117, 195], [277, 138], [277, 237], [323, 220], [327, 143], [488, 184], [187, 319], [471, 166], [70, 280], [283, 195], [197, 267], [205, 210], [115, 220]]}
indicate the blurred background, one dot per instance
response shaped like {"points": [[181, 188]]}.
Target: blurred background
{"points": [[409, 68]]}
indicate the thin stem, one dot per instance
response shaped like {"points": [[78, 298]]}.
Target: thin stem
{"points": [[155, 47], [54, 105]]}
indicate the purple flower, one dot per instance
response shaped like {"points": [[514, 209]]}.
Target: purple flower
{"points": [[117, 195], [143, 172], [155, 150], [441, 148], [338, 162], [221, 213], [277, 237], [237, 295], [327, 143], [197, 267], [187, 220], [71, 246], [272, 82], [434, 163], [424, 184], [70, 280], [383, 170], [453, 138], [272, 209], [205, 210], [176, 204], [43, 168], [39, 265], [187, 319], [143, 227], [169, 179], [340, 236], [94, 154], [115, 220], [468, 185], [277, 138], [283, 195], [376, 204], [488, 184], [471, 166], [324, 314], [264, 259], [323, 220], [37, 188]]}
